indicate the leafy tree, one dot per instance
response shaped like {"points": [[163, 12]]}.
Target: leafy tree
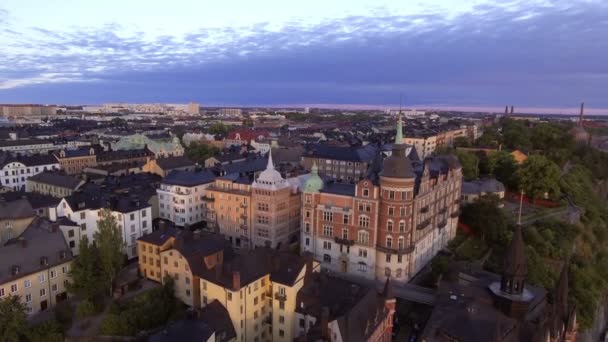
{"points": [[539, 175], [13, 319], [490, 138], [85, 309], [218, 128], [462, 142], [200, 152], [516, 135], [47, 331], [109, 244], [247, 122], [85, 273], [487, 220], [469, 162], [502, 165]]}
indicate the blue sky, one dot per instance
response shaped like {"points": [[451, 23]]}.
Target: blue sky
{"points": [[243, 52]]}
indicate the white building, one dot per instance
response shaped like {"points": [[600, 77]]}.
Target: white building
{"points": [[134, 218], [181, 196], [15, 170]]}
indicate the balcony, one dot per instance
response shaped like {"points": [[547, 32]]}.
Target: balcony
{"points": [[401, 251], [280, 296], [423, 224], [346, 242]]}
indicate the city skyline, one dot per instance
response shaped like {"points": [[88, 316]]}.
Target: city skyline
{"points": [[439, 54]]}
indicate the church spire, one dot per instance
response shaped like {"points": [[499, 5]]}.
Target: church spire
{"points": [[314, 169]]}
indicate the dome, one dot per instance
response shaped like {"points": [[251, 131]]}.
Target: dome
{"points": [[270, 178], [314, 183]]}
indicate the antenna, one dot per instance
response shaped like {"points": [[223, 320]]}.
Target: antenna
{"points": [[521, 202]]}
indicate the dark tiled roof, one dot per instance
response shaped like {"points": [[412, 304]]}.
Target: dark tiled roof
{"points": [[160, 236], [357, 154], [217, 317], [122, 202], [40, 241], [171, 163], [24, 142], [36, 200], [57, 179], [108, 156], [339, 188], [16, 209], [27, 160], [189, 178], [246, 166]]}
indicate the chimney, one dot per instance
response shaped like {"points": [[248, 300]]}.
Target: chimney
{"points": [[236, 280], [506, 110], [23, 242], [580, 119], [511, 110], [325, 323]]}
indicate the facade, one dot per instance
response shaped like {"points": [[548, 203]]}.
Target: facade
{"points": [[342, 163], [15, 170], [425, 144], [35, 266], [276, 209], [135, 156], [75, 161], [27, 110], [230, 112], [181, 196], [162, 147], [133, 215], [54, 184], [386, 225], [15, 217]]}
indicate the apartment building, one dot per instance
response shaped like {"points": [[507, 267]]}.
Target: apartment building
{"points": [[132, 213], [55, 184], [268, 295], [35, 266], [181, 196], [342, 163], [15, 217], [16, 169], [75, 161], [16, 110], [389, 224]]}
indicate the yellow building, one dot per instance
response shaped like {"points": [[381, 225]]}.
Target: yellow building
{"points": [[35, 266], [75, 161], [53, 183], [257, 287]]}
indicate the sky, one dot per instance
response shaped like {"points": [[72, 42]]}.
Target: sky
{"points": [[479, 53]]}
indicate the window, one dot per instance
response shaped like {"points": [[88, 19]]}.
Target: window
{"points": [[399, 258], [1, 292], [401, 243], [27, 283], [328, 231], [307, 228], [71, 233], [229, 295], [307, 241], [391, 194], [28, 298], [345, 219], [363, 237], [82, 216], [281, 319], [327, 245], [53, 274], [281, 333], [345, 234], [365, 192], [187, 280], [363, 221], [43, 292], [54, 288], [363, 253], [132, 216], [263, 219], [391, 211], [41, 278], [327, 258], [389, 225], [166, 260], [143, 213], [389, 242], [328, 216], [362, 267], [402, 226], [402, 211], [13, 288], [83, 226], [65, 269], [302, 323]]}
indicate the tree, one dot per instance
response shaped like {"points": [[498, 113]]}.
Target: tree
{"points": [[109, 244], [502, 165], [85, 273], [486, 219], [218, 128], [462, 142], [200, 152], [13, 319], [538, 176], [489, 138], [516, 135], [469, 162]]}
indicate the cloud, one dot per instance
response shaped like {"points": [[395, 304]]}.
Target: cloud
{"points": [[544, 54]]}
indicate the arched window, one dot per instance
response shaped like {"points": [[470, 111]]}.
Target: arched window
{"points": [[363, 237], [364, 221], [402, 226], [389, 225], [389, 242], [401, 242]]}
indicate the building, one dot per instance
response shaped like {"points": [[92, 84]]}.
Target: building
{"points": [[244, 137], [27, 145], [181, 196], [425, 144], [342, 163], [41, 204], [476, 305], [35, 266], [230, 112], [472, 190], [15, 217], [333, 309], [15, 110], [276, 204], [163, 166], [268, 295], [388, 224], [124, 156], [75, 161], [519, 157], [132, 212], [163, 146], [15, 170], [54, 184]]}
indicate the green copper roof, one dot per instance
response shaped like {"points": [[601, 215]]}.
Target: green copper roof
{"points": [[314, 183], [399, 136]]}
